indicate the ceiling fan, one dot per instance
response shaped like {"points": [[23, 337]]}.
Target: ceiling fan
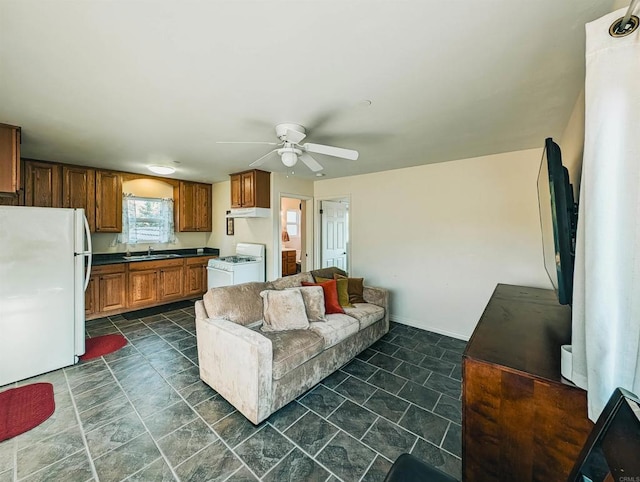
{"points": [[290, 150]]}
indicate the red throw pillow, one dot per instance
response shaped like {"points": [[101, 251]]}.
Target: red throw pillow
{"points": [[330, 288]]}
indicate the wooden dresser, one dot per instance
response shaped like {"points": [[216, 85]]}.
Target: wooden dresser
{"points": [[520, 420]]}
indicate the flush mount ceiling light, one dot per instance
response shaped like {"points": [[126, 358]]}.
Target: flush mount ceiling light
{"points": [[162, 169]]}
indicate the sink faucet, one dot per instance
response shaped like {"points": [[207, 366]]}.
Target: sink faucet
{"points": [[149, 251]]}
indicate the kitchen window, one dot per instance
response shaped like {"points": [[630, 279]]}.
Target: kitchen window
{"points": [[146, 220]]}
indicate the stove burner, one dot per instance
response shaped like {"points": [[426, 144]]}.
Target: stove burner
{"points": [[237, 259]]}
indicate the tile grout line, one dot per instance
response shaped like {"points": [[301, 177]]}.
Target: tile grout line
{"points": [[162, 454], [80, 427]]}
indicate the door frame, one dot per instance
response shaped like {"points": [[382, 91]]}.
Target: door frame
{"points": [[308, 235], [318, 228]]}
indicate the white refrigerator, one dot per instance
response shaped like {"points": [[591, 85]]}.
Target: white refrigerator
{"points": [[45, 263]]}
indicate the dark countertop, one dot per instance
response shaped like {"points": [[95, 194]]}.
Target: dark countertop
{"points": [[115, 258]]}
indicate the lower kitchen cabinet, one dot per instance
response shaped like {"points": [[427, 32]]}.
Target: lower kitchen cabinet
{"points": [[92, 296], [143, 287], [171, 282], [106, 292], [153, 282], [122, 287], [195, 276]]}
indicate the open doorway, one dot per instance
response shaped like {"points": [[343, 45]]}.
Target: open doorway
{"points": [[293, 231], [334, 233]]}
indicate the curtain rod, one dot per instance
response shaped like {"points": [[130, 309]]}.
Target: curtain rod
{"points": [[627, 16]]}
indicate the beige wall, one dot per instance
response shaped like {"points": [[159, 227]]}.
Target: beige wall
{"points": [[106, 243], [572, 144], [255, 230], [441, 236]]}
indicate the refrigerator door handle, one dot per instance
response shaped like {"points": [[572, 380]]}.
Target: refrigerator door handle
{"points": [[87, 253]]}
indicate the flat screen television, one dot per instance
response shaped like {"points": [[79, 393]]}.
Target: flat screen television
{"points": [[558, 220]]}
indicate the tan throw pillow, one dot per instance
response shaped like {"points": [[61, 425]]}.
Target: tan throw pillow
{"points": [[283, 310], [241, 303], [313, 297], [355, 288], [343, 290]]}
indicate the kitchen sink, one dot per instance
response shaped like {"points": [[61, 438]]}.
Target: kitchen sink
{"points": [[144, 257]]}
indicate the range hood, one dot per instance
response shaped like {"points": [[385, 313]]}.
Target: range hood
{"points": [[249, 213]]}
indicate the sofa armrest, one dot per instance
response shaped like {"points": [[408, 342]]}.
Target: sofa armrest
{"points": [[237, 363], [378, 296]]}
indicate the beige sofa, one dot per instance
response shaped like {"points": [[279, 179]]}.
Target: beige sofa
{"points": [[259, 372]]}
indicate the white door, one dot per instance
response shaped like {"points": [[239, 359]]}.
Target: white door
{"points": [[335, 234]]}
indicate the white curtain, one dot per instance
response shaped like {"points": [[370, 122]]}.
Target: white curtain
{"points": [[606, 297], [146, 220]]}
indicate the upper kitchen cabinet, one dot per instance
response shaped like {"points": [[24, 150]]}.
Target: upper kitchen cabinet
{"points": [[194, 206], [79, 191], [42, 184], [250, 189], [9, 158], [108, 202]]}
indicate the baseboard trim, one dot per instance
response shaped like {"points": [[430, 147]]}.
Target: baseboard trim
{"points": [[422, 326]]}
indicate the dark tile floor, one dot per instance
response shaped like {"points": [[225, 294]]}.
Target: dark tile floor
{"points": [[142, 414]]}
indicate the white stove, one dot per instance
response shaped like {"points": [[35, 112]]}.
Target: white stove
{"points": [[246, 265]]}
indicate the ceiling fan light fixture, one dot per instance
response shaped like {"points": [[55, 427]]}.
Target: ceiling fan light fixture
{"points": [[289, 159], [162, 169]]}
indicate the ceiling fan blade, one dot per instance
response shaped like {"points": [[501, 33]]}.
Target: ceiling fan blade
{"points": [[295, 136], [310, 162], [261, 160], [249, 142], [331, 151]]}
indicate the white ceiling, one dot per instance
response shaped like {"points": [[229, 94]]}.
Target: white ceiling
{"points": [[125, 84]]}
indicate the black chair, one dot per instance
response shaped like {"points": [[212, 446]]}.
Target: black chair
{"points": [[612, 450]]}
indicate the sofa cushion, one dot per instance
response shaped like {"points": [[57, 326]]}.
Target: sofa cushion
{"points": [[330, 289], [327, 272], [335, 329], [365, 313], [241, 303], [283, 310], [292, 281], [313, 297], [292, 348]]}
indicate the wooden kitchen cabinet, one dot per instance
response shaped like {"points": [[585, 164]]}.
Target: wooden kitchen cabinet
{"points": [[92, 296], [10, 200], [195, 275], [106, 292], [289, 266], [108, 202], [251, 189], [194, 206], [121, 287], [151, 282], [79, 191], [9, 158], [42, 184], [143, 287], [171, 282]]}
